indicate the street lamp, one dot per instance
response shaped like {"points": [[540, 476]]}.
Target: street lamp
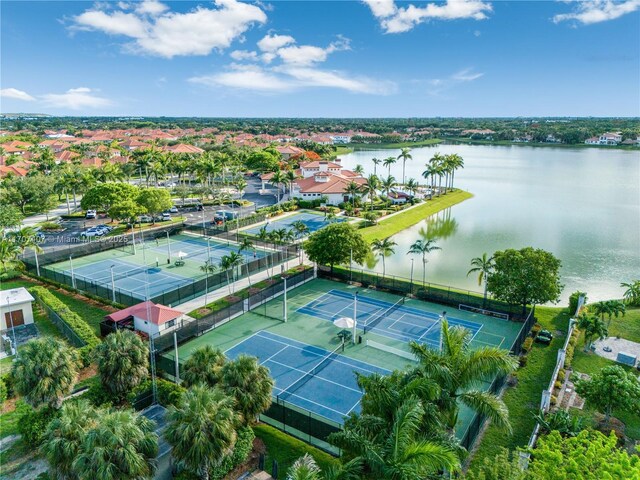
{"points": [[113, 285], [411, 279], [73, 277], [355, 317], [168, 248], [284, 277]]}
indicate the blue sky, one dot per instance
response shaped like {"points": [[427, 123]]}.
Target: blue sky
{"points": [[377, 58]]}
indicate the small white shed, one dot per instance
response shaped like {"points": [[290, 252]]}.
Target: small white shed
{"points": [[15, 308], [148, 317]]}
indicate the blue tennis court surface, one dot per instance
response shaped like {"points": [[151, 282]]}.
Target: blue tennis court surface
{"points": [[383, 318], [198, 249], [331, 393], [130, 277], [313, 221]]}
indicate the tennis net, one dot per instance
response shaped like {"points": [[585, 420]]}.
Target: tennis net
{"points": [[385, 313], [295, 386]]}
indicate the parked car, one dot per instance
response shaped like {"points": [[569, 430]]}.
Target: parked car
{"points": [[173, 209], [92, 232], [91, 214], [105, 227], [145, 219], [544, 337], [166, 216]]}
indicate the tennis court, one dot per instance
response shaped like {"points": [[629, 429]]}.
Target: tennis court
{"points": [[307, 376], [199, 249], [141, 282], [393, 320], [313, 221]]}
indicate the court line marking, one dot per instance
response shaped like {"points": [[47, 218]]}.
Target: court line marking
{"points": [[377, 369], [305, 372], [315, 403]]}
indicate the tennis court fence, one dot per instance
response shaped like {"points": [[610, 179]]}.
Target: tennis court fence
{"points": [[431, 292]]}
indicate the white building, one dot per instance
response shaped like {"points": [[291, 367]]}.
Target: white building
{"points": [[610, 138], [147, 317], [15, 308]]}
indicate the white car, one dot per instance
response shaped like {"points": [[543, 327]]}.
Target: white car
{"points": [[173, 209], [93, 232], [91, 214]]}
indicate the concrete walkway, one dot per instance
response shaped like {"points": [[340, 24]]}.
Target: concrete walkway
{"points": [[222, 292], [56, 212]]}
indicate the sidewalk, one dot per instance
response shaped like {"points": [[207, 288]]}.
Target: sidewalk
{"points": [[56, 212], [222, 292]]}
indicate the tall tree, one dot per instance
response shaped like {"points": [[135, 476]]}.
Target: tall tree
{"points": [[388, 184], [201, 429], [483, 266], [229, 263], [250, 384], [459, 371], [423, 248], [383, 247], [387, 162], [404, 156], [277, 179], [123, 445], [336, 244], [203, 367], [155, 200], [632, 293], [376, 162], [352, 189], [592, 327], [123, 362], [525, 276], [45, 372]]}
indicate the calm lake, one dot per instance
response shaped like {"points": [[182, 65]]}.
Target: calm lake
{"points": [[581, 204]]}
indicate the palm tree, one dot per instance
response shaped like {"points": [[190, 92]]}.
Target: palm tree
{"points": [[593, 328], [352, 189], [62, 441], [428, 175], [370, 188], [25, 238], [611, 308], [383, 248], [245, 245], [387, 185], [263, 236], [123, 445], [483, 266], [203, 367], [460, 370], [306, 468], [45, 372], [250, 384], [404, 155], [300, 229], [201, 429], [632, 293], [423, 247], [396, 448], [412, 186], [290, 177], [376, 162], [456, 162], [229, 263], [240, 186], [278, 178], [9, 252], [123, 362], [359, 170], [387, 162]]}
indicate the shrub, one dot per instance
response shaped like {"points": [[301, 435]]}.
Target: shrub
{"points": [[72, 319], [10, 274], [3, 391], [522, 360], [241, 450], [50, 226], [568, 359], [573, 301], [98, 395], [32, 424], [561, 374], [528, 343], [169, 393], [557, 384], [535, 329], [8, 381], [553, 400]]}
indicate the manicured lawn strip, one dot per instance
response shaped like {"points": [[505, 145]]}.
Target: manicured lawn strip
{"points": [[523, 400], [285, 450], [89, 313], [627, 327], [390, 226], [509, 143]]}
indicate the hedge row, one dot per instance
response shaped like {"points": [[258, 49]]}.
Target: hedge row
{"points": [[72, 319]]}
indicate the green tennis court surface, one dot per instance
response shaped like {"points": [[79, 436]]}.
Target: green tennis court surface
{"points": [[377, 348]]}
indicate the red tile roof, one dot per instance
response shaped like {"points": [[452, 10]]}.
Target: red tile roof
{"points": [[334, 184], [147, 311]]}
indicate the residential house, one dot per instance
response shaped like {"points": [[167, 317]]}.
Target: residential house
{"points": [[15, 308], [610, 138]]}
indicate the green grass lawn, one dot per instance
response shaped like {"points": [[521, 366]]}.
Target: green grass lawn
{"points": [[285, 450], [627, 327], [406, 218], [377, 146], [9, 420], [523, 400]]}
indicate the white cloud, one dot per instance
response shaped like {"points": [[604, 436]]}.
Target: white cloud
{"points": [[157, 31], [76, 99], [394, 19], [16, 94], [309, 54], [286, 78], [244, 55], [245, 77], [271, 43], [588, 12], [440, 85]]}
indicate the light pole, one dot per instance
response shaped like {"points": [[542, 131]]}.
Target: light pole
{"points": [[37, 263], [443, 317], [411, 279], [208, 249], [355, 317], [13, 328], [284, 306], [203, 224], [168, 248], [113, 285], [73, 276], [133, 237], [351, 264]]}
